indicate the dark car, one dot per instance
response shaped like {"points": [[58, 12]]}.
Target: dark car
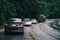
{"points": [[41, 18], [14, 25]]}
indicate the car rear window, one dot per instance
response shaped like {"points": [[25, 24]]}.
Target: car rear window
{"points": [[14, 20]]}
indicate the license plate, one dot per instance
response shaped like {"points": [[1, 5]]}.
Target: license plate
{"points": [[13, 24]]}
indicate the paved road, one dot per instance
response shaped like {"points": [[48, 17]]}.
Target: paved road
{"points": [[26, 35], [43, 31], [40, 31]]}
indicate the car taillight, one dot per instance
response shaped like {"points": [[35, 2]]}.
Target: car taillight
{"points": [[21, 25]]}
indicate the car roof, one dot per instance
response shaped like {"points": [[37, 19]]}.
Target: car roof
{"points": [[14, 19]]}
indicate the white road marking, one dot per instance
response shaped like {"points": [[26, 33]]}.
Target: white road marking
{"points": [[2, 30]]}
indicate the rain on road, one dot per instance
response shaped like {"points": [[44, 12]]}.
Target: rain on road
{"points": [[40, 31]]}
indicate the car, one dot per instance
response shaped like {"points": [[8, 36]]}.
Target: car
{"points": [[27, 22], [41, 18], [34, 21], [14, 25]]}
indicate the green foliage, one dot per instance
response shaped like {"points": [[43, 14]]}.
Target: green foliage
{"points": [[7, 10], [29, 8], [10, 10]]}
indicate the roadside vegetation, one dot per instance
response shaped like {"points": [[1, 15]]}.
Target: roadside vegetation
{"points": [[28, 8]]}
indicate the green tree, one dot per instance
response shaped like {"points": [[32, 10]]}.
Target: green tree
{"points": [[10, 9]]}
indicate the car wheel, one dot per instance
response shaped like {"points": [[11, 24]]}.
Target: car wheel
{"points": [[22, 32], [6, 32]]}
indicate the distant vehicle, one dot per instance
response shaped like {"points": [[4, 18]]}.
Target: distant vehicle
{"points": [[27, 22], [41, 18], [14, 25], [27, 19], [34, 21]]}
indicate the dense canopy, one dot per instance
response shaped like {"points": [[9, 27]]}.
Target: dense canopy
{"points": [[29, 8]]}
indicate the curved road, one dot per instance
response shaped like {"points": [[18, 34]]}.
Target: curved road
{"points": [[43, 31], [40, 31], [26, 35]]}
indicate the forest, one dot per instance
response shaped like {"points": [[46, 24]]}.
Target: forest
{"points": [[28, 8]]}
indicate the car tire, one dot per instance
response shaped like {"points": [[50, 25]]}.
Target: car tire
{"points": [[22, 32], [6, 33]]}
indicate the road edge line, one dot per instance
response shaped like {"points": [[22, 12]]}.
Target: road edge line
{"points": [[32, 36]]}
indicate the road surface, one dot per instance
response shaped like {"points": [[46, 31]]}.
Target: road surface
{"points": [[26, 35], [43, 31], [39, 31]]}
